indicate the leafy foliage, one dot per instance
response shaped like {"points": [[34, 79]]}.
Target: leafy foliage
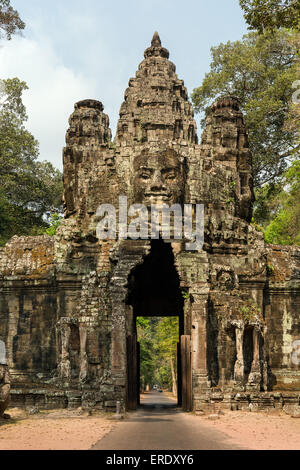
{"points": [[271, 14], [292, 123], [158, 337], [259, 70], [10, 21], [145, 337], [30, 190], [250, 311], [267, 204], [284, 229], [55, 222]]}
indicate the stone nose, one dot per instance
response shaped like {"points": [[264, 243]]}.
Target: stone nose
{"points": [[157, 182]]}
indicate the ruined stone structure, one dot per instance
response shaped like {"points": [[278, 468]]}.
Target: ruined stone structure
{"points": [[68, 303], [4, 382]]}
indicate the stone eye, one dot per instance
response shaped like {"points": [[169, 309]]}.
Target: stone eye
{"points": [[170, 176]]}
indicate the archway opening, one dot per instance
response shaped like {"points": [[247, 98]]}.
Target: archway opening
{"points": [[158, 339], [155, 318]]}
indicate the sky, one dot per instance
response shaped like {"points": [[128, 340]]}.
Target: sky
{"points": [[76, 49]]}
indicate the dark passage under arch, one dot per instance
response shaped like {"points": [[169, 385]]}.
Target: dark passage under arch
{"points": [[153, 287], [153, 290]]}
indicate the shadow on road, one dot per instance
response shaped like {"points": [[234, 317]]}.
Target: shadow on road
{"points": [[158, 424], [156, 400], [158, 406]]}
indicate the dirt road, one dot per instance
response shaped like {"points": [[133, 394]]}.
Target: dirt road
{"points": [[159, 425]]}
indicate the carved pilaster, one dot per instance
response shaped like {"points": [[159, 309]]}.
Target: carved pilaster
{"points": [[239, 363], [64, 330], [254, 379], [201, 383], [4, 388], [83, 362]]}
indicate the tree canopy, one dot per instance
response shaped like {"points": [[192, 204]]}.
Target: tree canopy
{"points": [[158, 338], [260, 71], [10, 21], [30, 190], [271, 14], [284, 228]]}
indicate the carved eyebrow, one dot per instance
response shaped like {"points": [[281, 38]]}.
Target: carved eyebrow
{"points": [[145, 168], [172, 168]]}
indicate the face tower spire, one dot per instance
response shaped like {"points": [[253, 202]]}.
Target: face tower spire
{"points": [[156, 108]]}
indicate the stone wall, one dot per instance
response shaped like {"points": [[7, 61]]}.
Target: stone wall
{"points": [[282, 316], [28, 305]]}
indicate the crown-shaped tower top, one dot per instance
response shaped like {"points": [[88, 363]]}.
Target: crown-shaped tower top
{"points": [[156, 42], [156, 106], [156, 48]]}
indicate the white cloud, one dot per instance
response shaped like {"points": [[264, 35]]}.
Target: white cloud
{"points": [[72, 53], [53, 90]]}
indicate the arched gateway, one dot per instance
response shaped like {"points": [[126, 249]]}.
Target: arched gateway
{"points": [[68, 304]]}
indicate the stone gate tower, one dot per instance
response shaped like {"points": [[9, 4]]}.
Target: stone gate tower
{"points": [[68, 304]]}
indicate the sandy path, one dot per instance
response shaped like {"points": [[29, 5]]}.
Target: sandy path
{"points": [[258, 431], [56, 430], [75, 430]]}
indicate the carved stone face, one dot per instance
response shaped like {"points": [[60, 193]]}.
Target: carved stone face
{"points": [[159, 178]]}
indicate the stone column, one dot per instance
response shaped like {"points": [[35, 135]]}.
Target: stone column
{"points": [[127, 256], [256, 338], [118, 345], [83, 362], [200, 382], [239, 363], [254, 378], [13, 318], [199, 340], [4, 389], [2, 353], [196, 363], [118, 349], [193, 270], [130, 320], [65, 366]]}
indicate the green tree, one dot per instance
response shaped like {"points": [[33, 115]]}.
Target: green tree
{"points": [[30, 190], [284, 229], [10, 21], [146, 336], [158, 338], [271, 14], [267, 204], [6, 218], [167, 339], [55, 222], [260, 71], [292, 123]]}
